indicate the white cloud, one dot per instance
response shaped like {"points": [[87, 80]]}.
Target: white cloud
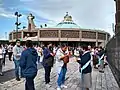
{"points": [[5, 13], [87, 13], [97, 14]]}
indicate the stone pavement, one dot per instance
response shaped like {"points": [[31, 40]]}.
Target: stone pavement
{"points": [[101, 81], [8, 65]]}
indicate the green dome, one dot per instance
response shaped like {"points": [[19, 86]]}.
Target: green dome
{"points": [[67, 23]]}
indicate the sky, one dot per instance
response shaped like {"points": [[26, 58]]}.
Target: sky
{"points": [[89, 14]]}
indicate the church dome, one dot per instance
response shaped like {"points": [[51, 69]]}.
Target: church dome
{"points": [[67, 22]]}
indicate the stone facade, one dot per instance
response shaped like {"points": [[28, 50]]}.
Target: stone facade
{"points": [[65, 31], [88, 34], [58, 34], [117, 16], [48, 34]]}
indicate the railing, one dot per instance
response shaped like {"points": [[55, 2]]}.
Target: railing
{"points": [[113, 53]]}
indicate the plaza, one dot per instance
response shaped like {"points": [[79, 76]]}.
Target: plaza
{"points": [[34, 25], [100, 81]]}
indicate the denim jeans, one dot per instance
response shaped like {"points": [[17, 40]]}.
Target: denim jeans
{"points": [[47, 74], [17, 68], [61, 76], [0, 65]]}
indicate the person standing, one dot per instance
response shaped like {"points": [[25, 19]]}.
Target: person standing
{"points": [[1, 60], [28, 65], [5, 51], [101, 55], [48, 61], [40, 54], [17, 50], [95, 57], [62, 58], [10, 51], [86, 69]]}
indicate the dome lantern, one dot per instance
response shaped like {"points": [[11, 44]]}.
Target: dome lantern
{"points": [[67, 22]]}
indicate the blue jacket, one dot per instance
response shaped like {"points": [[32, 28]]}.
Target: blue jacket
{"points": [[28, 62], [84, 59]]}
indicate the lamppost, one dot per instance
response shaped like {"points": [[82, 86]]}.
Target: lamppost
{"points": [[17, 23]]}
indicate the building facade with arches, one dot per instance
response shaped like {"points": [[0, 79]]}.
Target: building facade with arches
{"points": [[67, 31]]}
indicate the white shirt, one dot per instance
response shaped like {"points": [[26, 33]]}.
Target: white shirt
{"points": [[59, 54], [10, 48], [1, 53]]}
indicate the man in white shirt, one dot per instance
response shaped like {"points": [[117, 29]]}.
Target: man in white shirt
{"points": [[61, 65], [17, 50]]}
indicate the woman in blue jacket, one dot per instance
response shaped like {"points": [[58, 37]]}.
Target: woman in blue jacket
{"points": [[28, 65], [85, 69]]}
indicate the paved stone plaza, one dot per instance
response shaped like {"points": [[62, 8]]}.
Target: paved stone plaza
{"points": [[101, 81]]}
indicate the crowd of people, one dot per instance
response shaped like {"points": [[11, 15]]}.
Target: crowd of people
{"points": [[27, 57]]}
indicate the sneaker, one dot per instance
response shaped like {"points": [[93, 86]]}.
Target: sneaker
{"points": [[18, 79], [63, 86], [58, 88]]}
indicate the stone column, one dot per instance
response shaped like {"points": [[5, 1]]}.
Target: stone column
{"points": [[59, 36], [80, 35], [106, 39], [22, 34], [96, 39], [38, 34]]}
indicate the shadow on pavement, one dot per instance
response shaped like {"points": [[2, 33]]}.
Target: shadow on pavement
{"points": [[10, 74]]}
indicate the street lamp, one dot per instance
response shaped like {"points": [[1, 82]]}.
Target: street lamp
{"points": [[17, 23]]}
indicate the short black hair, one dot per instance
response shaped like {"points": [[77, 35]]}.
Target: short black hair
{"points": [[18, 40], [29, 43], [63, 45], [85, 47], [47, 43]]}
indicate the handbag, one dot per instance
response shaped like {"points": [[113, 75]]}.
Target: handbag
{"points": [[66, 59], [49, 61]]}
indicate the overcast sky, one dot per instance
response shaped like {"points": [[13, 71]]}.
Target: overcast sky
{"points": [[98, 14]]}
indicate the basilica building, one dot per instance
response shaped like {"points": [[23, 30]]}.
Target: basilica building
{"points": [[67, 31]]}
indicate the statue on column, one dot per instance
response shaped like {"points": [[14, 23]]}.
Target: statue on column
{"points": [[31, 24]]}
